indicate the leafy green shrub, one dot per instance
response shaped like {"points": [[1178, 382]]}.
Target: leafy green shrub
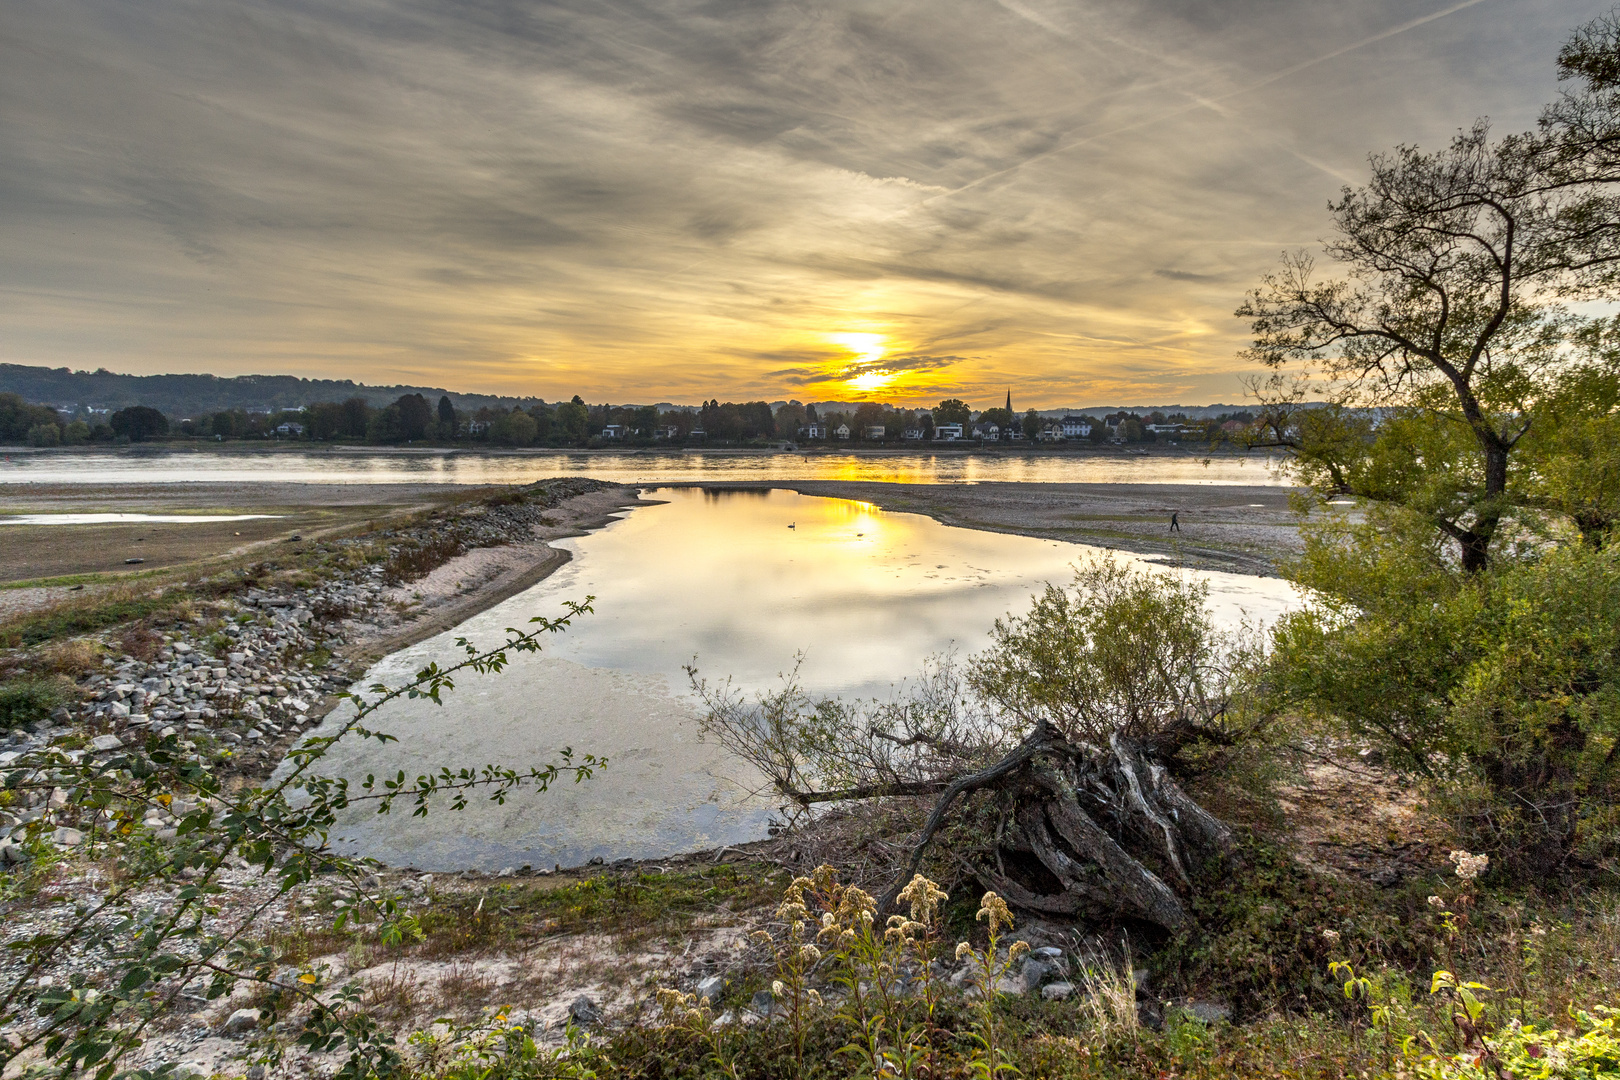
{"points": [[29, 699], [1503, 688]]}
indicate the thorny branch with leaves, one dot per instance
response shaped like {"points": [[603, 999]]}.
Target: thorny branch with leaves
{"points": [[150, 952]]}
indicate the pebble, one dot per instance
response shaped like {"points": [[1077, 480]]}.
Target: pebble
{"points": [[709, 989], [241, 1022], [584, 1012]]}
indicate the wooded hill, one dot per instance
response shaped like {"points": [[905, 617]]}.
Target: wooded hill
{"points": [[192, 395]]}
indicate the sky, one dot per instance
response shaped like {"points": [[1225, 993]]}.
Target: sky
{"points": [[672, 200]]}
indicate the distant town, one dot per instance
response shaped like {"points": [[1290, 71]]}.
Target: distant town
{"points": [[46, 407], [414, 418]]}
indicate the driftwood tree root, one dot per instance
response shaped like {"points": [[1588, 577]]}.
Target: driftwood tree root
{"points": [[1098, 832]]}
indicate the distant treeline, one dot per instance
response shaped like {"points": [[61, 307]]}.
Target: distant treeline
{"points": [[415, 418], [190, 396]]}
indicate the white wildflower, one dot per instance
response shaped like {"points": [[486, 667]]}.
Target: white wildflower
{"points": [[1469, 866]]}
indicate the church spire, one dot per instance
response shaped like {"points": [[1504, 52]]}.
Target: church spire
{"points": [[1009, 401]]}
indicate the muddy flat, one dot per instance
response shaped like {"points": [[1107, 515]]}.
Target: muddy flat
{"points": [[30, 552], [1241, 529]]}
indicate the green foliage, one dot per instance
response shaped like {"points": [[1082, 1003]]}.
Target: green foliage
{"points": [[952, 411], [1591, 1052], [1121, 652], [139, 423], [18, 418], [1265, 935], [499, 1050], [1572, 452], [29, 699], [516, 428], [1504, 688], [570, 420]]}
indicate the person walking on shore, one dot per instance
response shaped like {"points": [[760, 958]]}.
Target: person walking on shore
{"points": [[1175, 523]]}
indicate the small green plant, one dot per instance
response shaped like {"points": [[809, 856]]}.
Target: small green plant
{"points": [[688, 1012], [990, 966], [498, 1049], [28, 700]]}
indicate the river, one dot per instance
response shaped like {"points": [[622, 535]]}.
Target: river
{"points": [[738, 583], [160, 466]]}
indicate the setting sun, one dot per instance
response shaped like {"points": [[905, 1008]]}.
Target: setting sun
{"points": [[868, 348]]}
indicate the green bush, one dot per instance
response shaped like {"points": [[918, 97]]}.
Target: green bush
{"points": [[1502, 688], [29, 699]]}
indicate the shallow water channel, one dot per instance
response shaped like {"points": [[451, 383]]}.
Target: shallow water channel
{"points": [[737, 583]]}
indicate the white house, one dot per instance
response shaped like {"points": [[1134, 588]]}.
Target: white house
{"points": [[1167, 429], [1075, 427], [815, 431], [290, 428], [613, 431], [911, 433], [987, 432], [877, 431], [841, 431], [948, 432]]}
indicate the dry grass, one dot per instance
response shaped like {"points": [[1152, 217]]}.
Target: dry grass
{"points": [[464, 989], [74, 658], [1107, 994], [396, 995]]}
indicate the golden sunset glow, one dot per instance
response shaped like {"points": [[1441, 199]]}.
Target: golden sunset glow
{"points": [[1006, 196], [867, 348], [861, 373], [868, 381]]}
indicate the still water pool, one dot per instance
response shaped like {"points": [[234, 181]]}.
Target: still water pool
{"points": [[737, 583]]}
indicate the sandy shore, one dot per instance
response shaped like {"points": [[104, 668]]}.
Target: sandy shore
{"points": [[480, 579]]}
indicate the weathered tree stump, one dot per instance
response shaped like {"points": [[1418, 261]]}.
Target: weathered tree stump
{"points": [[1100, 832]]}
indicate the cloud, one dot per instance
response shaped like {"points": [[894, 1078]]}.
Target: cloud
{"points": [[667, 199]]}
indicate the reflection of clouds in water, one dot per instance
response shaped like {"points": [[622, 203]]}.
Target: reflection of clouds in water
{"points": [[725, 579]]}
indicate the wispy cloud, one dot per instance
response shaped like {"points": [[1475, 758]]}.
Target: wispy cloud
{"points": [[668, 199]]}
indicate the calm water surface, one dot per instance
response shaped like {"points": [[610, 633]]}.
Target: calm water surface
{"points": [[116, 519], [865, 595], [337, 467]]}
